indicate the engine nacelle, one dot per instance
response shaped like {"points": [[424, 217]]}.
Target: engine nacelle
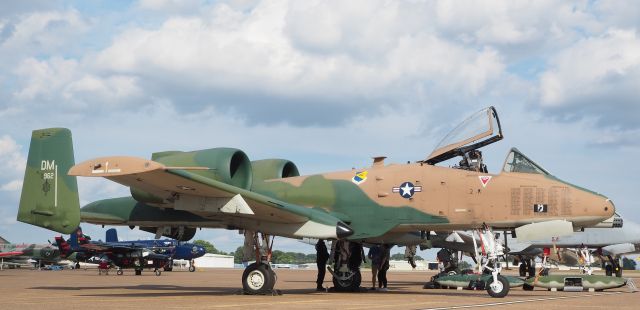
{"points": [[267, 169], [180, 233], [227, 165]]}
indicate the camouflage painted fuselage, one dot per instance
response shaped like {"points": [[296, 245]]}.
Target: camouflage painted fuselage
{"points": [[376, 206], [176, 192]]}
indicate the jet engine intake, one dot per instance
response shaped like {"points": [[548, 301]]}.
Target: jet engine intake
{"points": [[227, 165], [267, 169]]}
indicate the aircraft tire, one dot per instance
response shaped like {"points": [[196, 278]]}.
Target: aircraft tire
{"points": [[527, 287], [167, 268], [158, 272], [192, 268], [350, 285], [532, 271], [619, 272], [119, 272], [608, 270], [257, 279], [138, 272], [501, 291]]}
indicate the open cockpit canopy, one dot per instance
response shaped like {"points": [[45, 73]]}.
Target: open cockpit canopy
{"points": [[482, 128], [518, 162]]}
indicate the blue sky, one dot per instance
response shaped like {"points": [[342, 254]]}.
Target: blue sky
{"points": [[325, 84]]}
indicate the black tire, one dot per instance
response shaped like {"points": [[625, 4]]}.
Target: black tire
{"points": [[350, 285], [545, 272], [158, 272], [192, 268], [527, 287], [532, 271], [168, 268], [138, 272], [523, 270], [502, 289], [619, 272], [257, 279], [119, 272], [608, 270]]}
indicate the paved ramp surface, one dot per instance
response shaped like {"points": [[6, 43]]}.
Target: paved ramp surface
{"points": [[218, 289]]}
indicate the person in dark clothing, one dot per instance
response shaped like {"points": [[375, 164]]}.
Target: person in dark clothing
{"points": [[375, 254], [384, 266], [322, 255], [356, 258]]}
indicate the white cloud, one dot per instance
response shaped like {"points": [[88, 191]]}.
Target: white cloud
{"points": [[68, 83], [36, 33], [284, 55], [597, 76], [12, 186], [12, 161]]}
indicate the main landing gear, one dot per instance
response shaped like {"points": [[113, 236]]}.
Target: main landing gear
{"points": [[612, 267], [346, 257], [258, 278]]}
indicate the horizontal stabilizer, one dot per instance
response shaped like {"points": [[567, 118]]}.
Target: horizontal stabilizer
{"points": [[543, 230]]}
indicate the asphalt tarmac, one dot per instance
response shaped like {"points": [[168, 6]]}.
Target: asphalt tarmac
{"points": [[219, 289]]}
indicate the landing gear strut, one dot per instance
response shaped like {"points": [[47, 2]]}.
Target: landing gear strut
{"points": [[497, 286], [192, 266], [346, 257], [258, 278], [612, 267]]}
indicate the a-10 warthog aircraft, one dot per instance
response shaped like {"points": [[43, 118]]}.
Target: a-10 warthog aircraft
{"points": [[176, 192]]}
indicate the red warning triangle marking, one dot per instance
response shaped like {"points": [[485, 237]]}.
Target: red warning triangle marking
{"points": [[484, 179]]}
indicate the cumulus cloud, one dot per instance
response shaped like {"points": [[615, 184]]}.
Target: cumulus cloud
{"points": [[38, 33], [66, 83], [294, 64], [12, 161], [596, 77]]}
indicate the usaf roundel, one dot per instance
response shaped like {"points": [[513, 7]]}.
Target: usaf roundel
{"points": [[407, 189]]}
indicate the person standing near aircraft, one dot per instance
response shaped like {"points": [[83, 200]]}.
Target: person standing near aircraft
{"points": [[384, 266], [375, 255], [322, 255]]}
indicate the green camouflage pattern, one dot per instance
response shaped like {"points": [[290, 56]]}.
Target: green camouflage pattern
{"points": [[596, 282], [49, 196], [346, 201], [463, 280]]}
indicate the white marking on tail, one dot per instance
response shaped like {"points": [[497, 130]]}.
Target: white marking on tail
{"points": [[55, 185]]}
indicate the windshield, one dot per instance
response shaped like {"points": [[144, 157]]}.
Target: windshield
{"points": [[478, 130], [518, 162]]}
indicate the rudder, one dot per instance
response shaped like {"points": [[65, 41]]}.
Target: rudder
{"points": [[49, 196]]}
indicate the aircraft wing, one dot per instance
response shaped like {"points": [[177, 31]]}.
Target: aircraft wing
{"points": [[12, 253], [106, 247], [194, 193]]}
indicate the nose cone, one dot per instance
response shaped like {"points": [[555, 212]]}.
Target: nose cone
{"points": [[609, 207], [200, 251]]}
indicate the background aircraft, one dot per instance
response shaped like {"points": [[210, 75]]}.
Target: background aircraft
{"points": [[124, 255], [607, 243], [17, 255], [174, 248], [176, 192]]}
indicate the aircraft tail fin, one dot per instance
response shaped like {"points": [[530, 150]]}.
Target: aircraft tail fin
{"points": [[49, 196], [111, 235]]}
